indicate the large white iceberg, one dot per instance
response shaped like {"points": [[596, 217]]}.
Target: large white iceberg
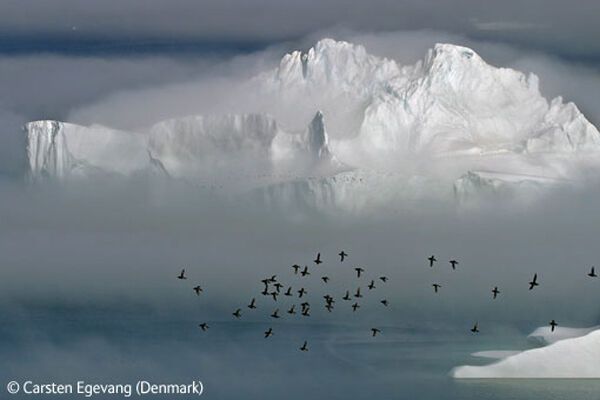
{"points": [[350, 129]]}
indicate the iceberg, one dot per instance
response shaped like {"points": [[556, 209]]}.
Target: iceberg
{"points": [[571, 353], [365, 132]]}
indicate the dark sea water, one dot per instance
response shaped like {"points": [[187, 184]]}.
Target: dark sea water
{"points": [[234, 361]]}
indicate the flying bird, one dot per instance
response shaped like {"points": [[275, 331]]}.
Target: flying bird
{"points": [[592, 273], [273, 279], [318, 259], [475, 328], [533, 283], [325, 279], [237, 313], [292, 310], [432, 259], [265, 292], [296, 269], [182, 275], [355, 307], [453, 263], [275, 314], [553, 325], [198, 289], [268, 333], [301, 292], [436, 287], [274, 294], [383, 278], [375, 331], [204, 326], [329, 307], [288, 292], [252, 305], [306, 312], [357, 294], [371, 285], [278, 286], [304, 347], [347, 296], [359, 271], [495, 291], [384, 302], [305, 271], [342, 255]]}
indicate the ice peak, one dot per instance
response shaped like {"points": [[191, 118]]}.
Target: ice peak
{"points": [[338, 63], [446, 58]]}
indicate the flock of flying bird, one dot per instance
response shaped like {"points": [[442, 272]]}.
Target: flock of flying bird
{"points": [[495, 291], [274, 288]]}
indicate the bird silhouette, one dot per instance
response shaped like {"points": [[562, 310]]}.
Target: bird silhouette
{"points": [[359, 271], [325, 279], [495, 291], [553, 325], [305, 305], [275, 314], [268, 333], [301, 292], [329, 307], [305, 271], [357, 294], [375, 331], [182, 275], [237, 313], [534, 282], [436, 287], [296, 269], [198, 289], [274, 294], [304, 347], [273, 279], [265, 292], [306, 312], [432, 259], [383, 278], [371, 285], [384, 302], [592, 273], [204, 326], [288, 292], [266, 283], [475, 328], [252, 304], [342, 255], [355, 306], [318, 259], [278, 286], [292, 310], [453, 263], [347, 296]]}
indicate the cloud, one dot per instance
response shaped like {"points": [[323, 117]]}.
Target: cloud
{"points": [[554, 25]]}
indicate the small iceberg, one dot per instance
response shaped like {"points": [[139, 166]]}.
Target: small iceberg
{"points": [[572, 354]]}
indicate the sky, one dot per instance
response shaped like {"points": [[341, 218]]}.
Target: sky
{"points": [[117, 246]]}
